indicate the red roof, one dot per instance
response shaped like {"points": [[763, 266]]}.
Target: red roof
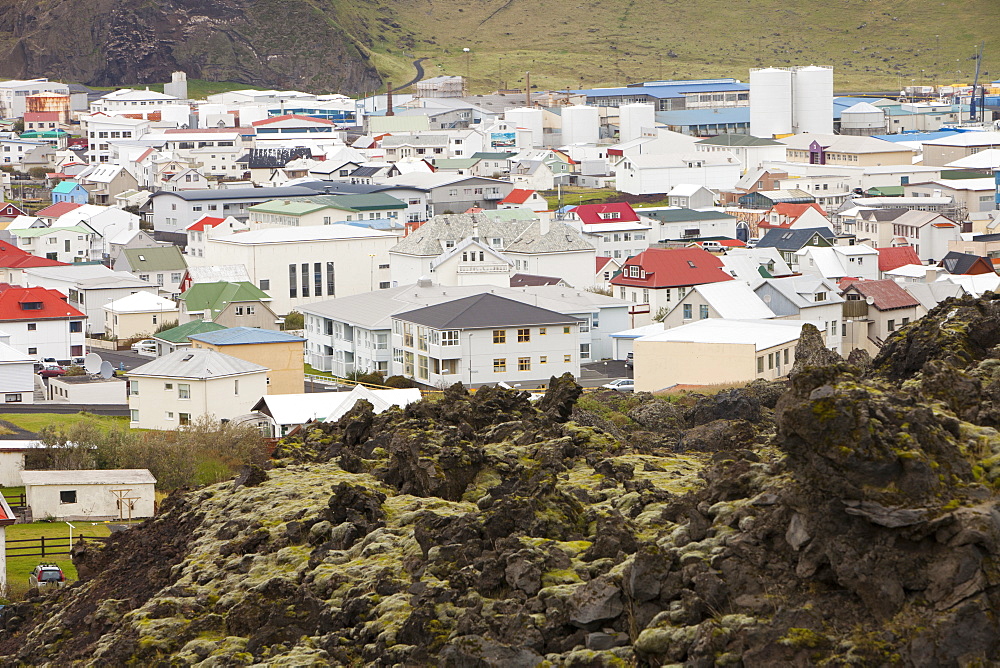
{"points": [[605, 213], [10, 210], [601, 261], [53, 304], [886, 294], [275, 119], [12, 257], [517, 196], [672, 267], [203, 222], [41, 116], [896, 257], [58, 209]]}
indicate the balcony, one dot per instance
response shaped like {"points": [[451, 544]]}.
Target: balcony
{"points": [[493, 196], [482, 268], [855, 308]]}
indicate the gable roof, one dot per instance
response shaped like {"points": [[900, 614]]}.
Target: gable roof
{"points": [[66, 187], [792, 239], [596, 213], [239, 336], [886, 294], [793, 210], [140, 302], [521, 280], [733, 300], [57, 209], [673, 267], [12, 257], [520, 233], [288, 117], [601, 261], [158, 258], [517, 196], [484, 311], [52, 302], [963, 263], [218, 295], [180, 333], [896, 257], [197, 363], [205, 222]]}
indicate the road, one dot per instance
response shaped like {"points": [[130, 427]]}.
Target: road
{"points": [[129, 359], [420, 75]]}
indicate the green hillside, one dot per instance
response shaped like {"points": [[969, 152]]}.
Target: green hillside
{"points": [[568, 43]]}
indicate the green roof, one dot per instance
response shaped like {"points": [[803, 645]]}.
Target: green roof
{"points": [[162, 258], [180, 333], [42, 231], [455, 163], [485, 155], [506, 215], [65, 187], [216, 296], [289, 207], [887, 191]]}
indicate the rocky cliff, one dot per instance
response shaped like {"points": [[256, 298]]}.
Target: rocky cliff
{"points": [[280, 43], [847, 518]]}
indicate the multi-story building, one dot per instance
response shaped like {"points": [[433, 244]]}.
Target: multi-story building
{"points": [[40, 322]]}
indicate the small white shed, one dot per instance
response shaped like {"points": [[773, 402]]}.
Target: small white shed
{"points": [[89, 494]]}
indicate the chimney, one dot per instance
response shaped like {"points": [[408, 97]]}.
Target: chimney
{"points": [[930, 274], [527, 89], [543, 224], [388, 99]]}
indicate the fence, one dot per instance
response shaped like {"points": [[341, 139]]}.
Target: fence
{"points": [[46, 547]]}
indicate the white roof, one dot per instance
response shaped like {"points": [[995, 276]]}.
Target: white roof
{"points": [[133, 94], [734, 300], [762, 334], [967, 139], [10, 355], [197, 364], [988, 159], [974, 285], [289, 409], [979, 185], [89, 276], [140, 302], [279, 235], [685, 190], [88, 477], [907, 271], [637, 332]]}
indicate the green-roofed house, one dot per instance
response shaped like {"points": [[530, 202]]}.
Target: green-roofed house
{"points": [[64, 244], [173, 339], [376, 210], [230, 304], [69, 191], [460, 166], [886, 191], [163, 266]]}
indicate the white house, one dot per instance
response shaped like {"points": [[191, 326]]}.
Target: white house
{"points": [[482, 339], [650, 174], [301, 265], [207, 227], [103, 130], [90, 494], [87, 390], [809, 299], [733, 300], [63, 244], [6, 519], [836, 262], [40, 323], [172, 391], [17, 377], [691, 196], [138, 314]]}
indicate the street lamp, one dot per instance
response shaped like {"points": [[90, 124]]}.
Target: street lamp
{"points": [[468, 67], [371, 282]]}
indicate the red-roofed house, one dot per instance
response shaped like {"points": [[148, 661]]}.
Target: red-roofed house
{"points": [[53, 211], [895, 257], [10, 211], [13, 261], [606, 268], [612, 212], [796, 216], [41, 323], [657, 277], [209, 227], [293, 127], [520, 198], [873, 310]]}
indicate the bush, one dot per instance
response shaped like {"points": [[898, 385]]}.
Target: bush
{"points": [[38, 173], [294, 320], [165, 326], [372, 378], [74, 370]]}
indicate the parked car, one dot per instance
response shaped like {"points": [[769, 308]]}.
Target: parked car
{"points": [[620, 385], [628, 361], [50, 371], [77, 361], [144, 347], [46, 576]]}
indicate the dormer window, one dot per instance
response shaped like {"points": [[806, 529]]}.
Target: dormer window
{"points": [[610, 215], [819, 297], [636, 272], [31, 306]]}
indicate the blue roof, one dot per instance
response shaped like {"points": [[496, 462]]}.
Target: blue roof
{"points": [[918, 136], [841, 103], [235, 336], [704, 116]]}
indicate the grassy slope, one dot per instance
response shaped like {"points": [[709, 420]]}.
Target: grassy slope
{"points": [[35, 421], [871, 43]]}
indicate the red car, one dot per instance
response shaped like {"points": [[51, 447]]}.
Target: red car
{"points": [[50, 371]]}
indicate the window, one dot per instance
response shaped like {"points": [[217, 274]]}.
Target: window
{"points": [[32, 351], [154, 319], [183, 391], [184, 419], [499, 336], [12, 398], [687, 311], [265, 284], [305, 279], [500, 365], [239, 310], [566, 330], [293, 290], [760, 364], [906, 321], [32, 326], [703, 312], [134, 415], [524, 364], [236, 386], [819, 297], [584, 351], [317, 278], [331, 283], [523, 335], [567, 358], [168, 415], [770, 360], [786, 355], [449, 337], [891, 325], [542, 331], [67, 496], [75, 326]]}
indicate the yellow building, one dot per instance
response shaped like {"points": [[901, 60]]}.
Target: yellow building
{"points": [[139, 314], [845, 150], [280, 352]]}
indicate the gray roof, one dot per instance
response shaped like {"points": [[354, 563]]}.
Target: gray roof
{"points": [[484, 311], [197, 363], [800, 290], [302, 190], [415, 140], [683, 215], [272, 158], [88, 477], [792, 239], [519, 236]]}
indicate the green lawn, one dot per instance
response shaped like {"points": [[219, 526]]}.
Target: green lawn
{"points": [[19, 567], [34, 422]]}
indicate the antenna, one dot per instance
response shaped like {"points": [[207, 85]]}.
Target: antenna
{"points": [[107, 371], [92, 363]]}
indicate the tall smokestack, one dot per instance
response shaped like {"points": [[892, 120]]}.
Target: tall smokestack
{"points": [[527, 89], [388, 99]]}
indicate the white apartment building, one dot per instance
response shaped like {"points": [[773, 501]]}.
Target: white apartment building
{"points": [[13, 92], [301, 265], [102, 131], [63, 244], [213, 150], [40, 323]]}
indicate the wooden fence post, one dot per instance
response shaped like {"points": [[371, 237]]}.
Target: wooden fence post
{"points": [[43, 547]]}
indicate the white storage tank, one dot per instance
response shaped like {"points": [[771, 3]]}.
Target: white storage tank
{"points": [[581, 125], [632, 118], [529, 119], [770, 102], [812, 102], [862, 119]]}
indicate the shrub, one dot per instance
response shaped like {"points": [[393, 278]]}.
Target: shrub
{"points": [[400, 382]]}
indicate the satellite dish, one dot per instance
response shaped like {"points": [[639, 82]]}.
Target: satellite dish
{"points": [[869, 300], [107, 371], [92, 363]]}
